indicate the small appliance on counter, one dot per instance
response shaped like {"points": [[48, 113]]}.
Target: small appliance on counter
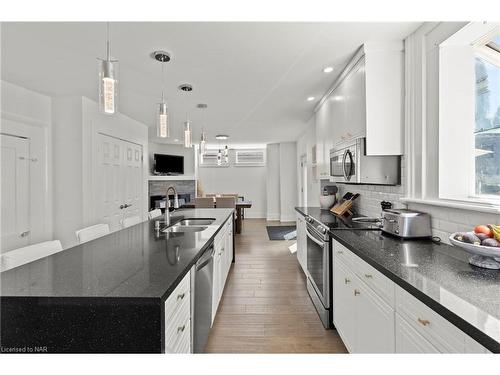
{"points": [[328, 197], [404, 223]]}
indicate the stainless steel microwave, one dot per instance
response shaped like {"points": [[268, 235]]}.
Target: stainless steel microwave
{"points": [[350, 164]]}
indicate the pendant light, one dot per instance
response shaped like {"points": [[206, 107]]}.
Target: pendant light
{"points": [[203, 137], [219, 157], [188, 135], [226, 155], [108, 81], [162, 128]]}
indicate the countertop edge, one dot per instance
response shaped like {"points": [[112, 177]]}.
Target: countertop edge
{"points": [[481, 337]]}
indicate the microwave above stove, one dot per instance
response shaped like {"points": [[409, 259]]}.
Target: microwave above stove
{"points": [[349, 164]]}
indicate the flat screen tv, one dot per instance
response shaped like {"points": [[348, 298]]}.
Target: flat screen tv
{"points": [[168, 164]]}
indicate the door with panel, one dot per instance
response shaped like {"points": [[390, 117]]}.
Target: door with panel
{"points": [[374, 321], [118, 180], [15, 193], [344, 304]]}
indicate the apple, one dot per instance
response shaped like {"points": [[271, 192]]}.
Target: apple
{"points": [[483, 229]]}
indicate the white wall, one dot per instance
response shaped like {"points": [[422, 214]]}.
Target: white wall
{"points": [[249, 182], [273, 181], [288, 180], [27, 113], [172, 149], [305, 144]]}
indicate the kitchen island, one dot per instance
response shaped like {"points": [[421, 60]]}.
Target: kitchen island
{"points": [[107, 295], [436, 275]]}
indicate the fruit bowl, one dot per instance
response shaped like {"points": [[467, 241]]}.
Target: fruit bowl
{"points": [[483, 256]]}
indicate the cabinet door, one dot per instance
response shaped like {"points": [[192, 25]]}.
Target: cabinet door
{"points": [[343, 304], [321, 134], [410, 341], [374, 321], [216, 290], [301, 242], [357, 102]]}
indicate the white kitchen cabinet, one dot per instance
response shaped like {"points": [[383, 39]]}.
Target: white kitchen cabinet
{"points": [[344, 305], [302, 242], [364, 321], [410, 341], [178, 318], [223, 257], [324, 141], [374, 321], [367, 100]]}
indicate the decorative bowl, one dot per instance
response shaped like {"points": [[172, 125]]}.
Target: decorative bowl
{"points": [[483, 256]]}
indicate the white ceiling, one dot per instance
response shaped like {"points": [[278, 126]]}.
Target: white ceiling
{"points": [[255, 77]]}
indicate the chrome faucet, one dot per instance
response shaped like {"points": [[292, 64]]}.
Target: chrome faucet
{"points": [[167, 206]]}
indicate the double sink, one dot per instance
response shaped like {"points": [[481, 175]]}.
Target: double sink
{"points": [[189, 225]]}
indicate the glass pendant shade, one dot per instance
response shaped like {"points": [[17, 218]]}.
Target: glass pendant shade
{"points": [[162, 128], [188, 141], [219, 158], [203, 143], [226, 151], [108, 86]]}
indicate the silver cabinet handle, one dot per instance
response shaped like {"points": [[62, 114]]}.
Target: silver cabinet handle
{"points": [[181, 296], [347, 281], [356, 292], [368, 276], [181, 329], [122, 206], [24, 234]]}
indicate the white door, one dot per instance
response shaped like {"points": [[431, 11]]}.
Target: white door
{"points": [[15, 230], [118, 180]]}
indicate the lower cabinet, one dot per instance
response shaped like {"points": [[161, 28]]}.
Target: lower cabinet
{"points": [[364, 321], [223, 257], [374, 315], [178, 318], [301, 242]]}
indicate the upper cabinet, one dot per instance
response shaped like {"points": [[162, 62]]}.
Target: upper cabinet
{"points": [[365, 101]]}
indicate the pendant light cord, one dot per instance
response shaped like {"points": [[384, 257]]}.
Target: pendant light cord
{"points": [[108, 50], [162, 81]]}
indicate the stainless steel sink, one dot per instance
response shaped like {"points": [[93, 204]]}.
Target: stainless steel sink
{"points": [[190, 222], [184, 228]]}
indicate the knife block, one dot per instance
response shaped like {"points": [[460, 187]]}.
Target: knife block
{"points": [[342, 209]]}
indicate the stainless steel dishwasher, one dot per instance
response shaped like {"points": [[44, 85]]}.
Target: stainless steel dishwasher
{"points": [[202, 307]]}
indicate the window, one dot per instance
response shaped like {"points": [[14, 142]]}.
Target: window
{"points": [[250, 158], [487, 119], [209, 159]]}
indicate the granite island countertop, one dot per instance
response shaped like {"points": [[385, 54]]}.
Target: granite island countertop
{"points": [[106, 295], [439, 275]]}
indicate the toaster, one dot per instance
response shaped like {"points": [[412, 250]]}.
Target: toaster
{"points": [[406, 223]]}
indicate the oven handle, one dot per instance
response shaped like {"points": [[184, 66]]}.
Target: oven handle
{"points": [[314, 239]]}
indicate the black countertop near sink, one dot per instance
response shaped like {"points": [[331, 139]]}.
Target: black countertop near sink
{"points": [[439, 275], [106, 295]]}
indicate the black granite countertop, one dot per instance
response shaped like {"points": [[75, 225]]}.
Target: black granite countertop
{"points": [[439, 275], [136, 262]]}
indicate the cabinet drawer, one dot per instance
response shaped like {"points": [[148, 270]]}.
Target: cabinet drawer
{"points": [[178, 336], [437, 330], [343, 254], [409, 340], [178, 297], [380, 284]]}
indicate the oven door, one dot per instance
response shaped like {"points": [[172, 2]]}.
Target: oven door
{"points": [[317, 264]]}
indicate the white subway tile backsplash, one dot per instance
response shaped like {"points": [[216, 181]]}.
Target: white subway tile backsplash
{"points": [[444, 220]]}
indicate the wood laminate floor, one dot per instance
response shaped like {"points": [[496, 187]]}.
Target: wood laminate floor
{"points": [[265, 307]]}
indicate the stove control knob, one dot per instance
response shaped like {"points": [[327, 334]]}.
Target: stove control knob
{"points": [[322, 230]]}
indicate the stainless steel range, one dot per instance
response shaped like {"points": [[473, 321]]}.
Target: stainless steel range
{"points": [[319, 281]]}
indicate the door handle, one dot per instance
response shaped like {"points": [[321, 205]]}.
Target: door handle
{"points": [[25, 234]]}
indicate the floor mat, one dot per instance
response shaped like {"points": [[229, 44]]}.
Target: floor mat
{"points": [[278, 232]]}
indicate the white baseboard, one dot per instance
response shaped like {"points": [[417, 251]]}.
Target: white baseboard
{"points": [[255, 215], [288, 218], [273, 217]]}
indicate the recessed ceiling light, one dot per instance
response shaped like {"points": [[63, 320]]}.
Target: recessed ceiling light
{"points": [[328, 69], [310, 98]]}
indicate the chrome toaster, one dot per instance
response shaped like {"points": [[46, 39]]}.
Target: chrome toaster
{"points": [[406, 223]]}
